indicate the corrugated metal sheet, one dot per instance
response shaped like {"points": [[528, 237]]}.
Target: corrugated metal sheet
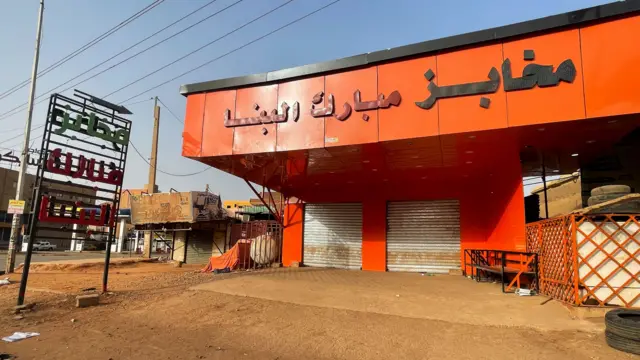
{"points": [[333, 235], [423, 236], [199, 246]]}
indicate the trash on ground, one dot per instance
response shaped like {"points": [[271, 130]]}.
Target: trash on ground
{"points": [[5, 281], [525, 292], [89, 289], [17, 336], [24, 307]]}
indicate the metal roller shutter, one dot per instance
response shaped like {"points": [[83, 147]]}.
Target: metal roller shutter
{"points": [[333, 235], [199, 246], [423, 236]]}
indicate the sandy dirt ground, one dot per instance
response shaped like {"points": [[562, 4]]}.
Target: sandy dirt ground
{"points": [[157, 311]]}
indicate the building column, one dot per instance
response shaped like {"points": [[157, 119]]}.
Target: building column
{"points": [[146, 245], [374, 235], [122, 235], [292, 234]]}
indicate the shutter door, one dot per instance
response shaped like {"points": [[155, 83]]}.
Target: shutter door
{"points": [[423, 236], [199, 247], [333, 235]]}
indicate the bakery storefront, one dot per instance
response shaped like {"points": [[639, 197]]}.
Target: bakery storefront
{"points": [[401, 159]]}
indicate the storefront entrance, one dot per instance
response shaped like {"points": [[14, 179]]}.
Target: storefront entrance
{"points": [[333, 235], [423, 236]]}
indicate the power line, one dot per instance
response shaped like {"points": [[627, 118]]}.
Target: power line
{"points": [[211, 61], [137, 102], [232, 51], [198, 49], [164, 172], [20, 144], [171, 112], [6, 114], [19, 135], [85, 47]]}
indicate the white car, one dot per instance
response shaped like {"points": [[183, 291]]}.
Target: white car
{"points": [[43, 246]]}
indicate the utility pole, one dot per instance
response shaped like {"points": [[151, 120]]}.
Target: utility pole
{"points": [[153, 163], [16, 225]]}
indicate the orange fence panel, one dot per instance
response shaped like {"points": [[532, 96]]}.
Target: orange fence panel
{"points": [[589, 259], [608, 248]]}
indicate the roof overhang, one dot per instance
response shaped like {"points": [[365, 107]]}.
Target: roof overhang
{"points": [[527, 28]]}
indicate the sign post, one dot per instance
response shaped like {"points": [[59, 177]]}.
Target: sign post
{"points": [[78, 190]]}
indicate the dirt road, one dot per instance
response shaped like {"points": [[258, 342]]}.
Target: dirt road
{"points": [[154, 314], [48, 256]]}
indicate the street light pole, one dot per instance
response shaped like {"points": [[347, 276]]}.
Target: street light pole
{"points": [[15, 225]]}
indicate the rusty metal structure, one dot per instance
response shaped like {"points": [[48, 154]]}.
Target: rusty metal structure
{"points": [[588, 260], [514, 268], [259, 242]]}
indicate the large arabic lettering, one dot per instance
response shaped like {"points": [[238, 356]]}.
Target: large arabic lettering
{"points": [[9, 157], [94, 127], [532, 75], [85, 168], [48, 209], [359, 105]]}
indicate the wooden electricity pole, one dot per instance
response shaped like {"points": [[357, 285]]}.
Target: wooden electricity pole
{"points": [[16, 227], [153, 163]]}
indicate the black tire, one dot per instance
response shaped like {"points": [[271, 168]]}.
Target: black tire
{"points": [[625, 208], [611, 189], [623, 344], [597, 199], [624, 323]]}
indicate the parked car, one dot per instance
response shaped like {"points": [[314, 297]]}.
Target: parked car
{"points": [[44, 246]]}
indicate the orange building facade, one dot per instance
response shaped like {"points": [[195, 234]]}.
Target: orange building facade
{"points": [[454, 123]]}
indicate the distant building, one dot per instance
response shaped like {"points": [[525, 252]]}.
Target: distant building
{"points": [[564, 195], [232, 206], [8, 184], [193, 225]]}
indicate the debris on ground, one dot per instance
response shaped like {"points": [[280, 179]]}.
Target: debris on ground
{"points": [[73, 320], [18, 317], [546, 301], [5, 281], [222, 271], [89, 289], [24, 307], [87, 300], [17, 336], [525, 292]]}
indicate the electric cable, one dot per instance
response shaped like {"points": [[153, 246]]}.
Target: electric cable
{"points": [[45, 93], [199, 49], [231, 52], [84, 47], [171, 112], [164, 172]]}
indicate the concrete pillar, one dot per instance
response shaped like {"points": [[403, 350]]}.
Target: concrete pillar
{"points": [[292, 234], [146, 247], [179, 245], [122, 235], [75, 244], [374, 237]]}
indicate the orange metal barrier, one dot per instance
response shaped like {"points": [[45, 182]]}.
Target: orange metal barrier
{"points": [[588, 259]]}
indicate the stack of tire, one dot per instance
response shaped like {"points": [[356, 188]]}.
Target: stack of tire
{"points": [[623, 330], [610, 192]]}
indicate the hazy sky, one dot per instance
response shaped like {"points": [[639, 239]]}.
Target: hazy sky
{"points": [[347, 28]]}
